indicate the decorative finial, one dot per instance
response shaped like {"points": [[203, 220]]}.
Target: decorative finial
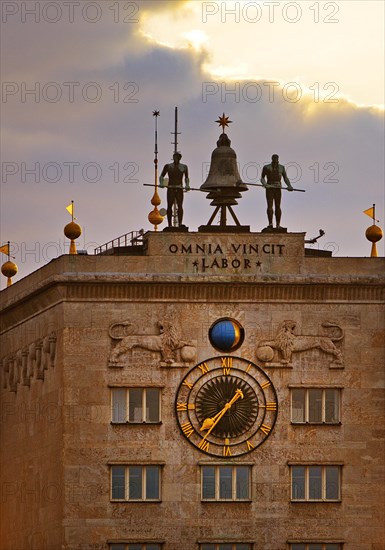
{"points": [[154, 216], [223, 121], [8, 269], [72, 230], [373, 233]]}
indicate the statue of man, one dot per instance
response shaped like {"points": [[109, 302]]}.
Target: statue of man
{"points": [[273, 173], [175, 171]]}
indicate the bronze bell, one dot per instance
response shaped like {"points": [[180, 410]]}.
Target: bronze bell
{"points": [[223, 168], [223, 184]]}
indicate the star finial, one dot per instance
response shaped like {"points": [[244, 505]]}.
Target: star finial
{"points": [[155, 113], [223, 121]]}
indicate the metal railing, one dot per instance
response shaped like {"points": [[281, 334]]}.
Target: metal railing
{"points": [[134, 238]]}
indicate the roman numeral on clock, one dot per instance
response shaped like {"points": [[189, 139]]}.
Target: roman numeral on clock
{"points": [[265, 429], [203, 367], [204, 445], [187, 429], [185, 406], [270, 406], [226, 448], [227, 363]]}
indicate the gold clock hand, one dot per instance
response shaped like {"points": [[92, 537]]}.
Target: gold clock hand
{"points": [[210, 423]]}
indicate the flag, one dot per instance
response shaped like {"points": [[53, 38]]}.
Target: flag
{"points": [[70, 208], [370, 212], [5, 249]]}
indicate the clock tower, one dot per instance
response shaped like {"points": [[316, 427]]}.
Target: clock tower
{"points": [[218, 389]]}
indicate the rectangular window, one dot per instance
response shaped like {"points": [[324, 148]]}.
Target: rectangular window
{"points": [[134, 546], [227, 483], [135, 483], [315, 483], [316, 546], [315, 405], [135, 405], [225, 546]]}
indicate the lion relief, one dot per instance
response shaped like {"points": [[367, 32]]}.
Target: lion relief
{"points": [[168, 343], [287, 343]]}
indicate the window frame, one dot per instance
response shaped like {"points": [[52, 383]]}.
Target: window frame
{"points": [[143, 409], [217, 544], [308, 544], [217, 482], [323, 421], [143, 483], [323, 467], [144, 544], [126, 544]]}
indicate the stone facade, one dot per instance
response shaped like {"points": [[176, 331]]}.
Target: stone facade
{"points": [[61, 331]]}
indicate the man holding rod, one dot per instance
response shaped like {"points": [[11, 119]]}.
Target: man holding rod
{"points": [[176, 170], [271, 179]]}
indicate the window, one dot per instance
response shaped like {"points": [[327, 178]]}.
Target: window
{"points": [[135, 483], [316, 546], [226, 483], [315, 483], [134, 546], [225, 546], [135, 405], [315, 405]]}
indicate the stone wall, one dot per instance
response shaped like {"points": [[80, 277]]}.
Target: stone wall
{"points": [[57, 429]]}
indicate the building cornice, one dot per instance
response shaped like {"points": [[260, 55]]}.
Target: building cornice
{"points": [[106, 287]]}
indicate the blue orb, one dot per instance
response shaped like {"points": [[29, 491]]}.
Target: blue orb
{"points": [[226, 335]]}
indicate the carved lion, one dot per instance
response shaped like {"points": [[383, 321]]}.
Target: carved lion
{"points": [[167, 342], [287, 343]]}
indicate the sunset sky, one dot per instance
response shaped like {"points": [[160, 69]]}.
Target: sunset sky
{"points": [[80, 81]]}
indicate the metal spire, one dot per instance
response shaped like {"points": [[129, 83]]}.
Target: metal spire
{"points": [[154, 216]]}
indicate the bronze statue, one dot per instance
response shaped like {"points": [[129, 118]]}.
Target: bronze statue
{"points": [[175, 170], [274, 172]]}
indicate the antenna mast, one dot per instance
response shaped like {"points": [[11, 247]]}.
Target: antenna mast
{"points": [[176, 133], [175, 144]]}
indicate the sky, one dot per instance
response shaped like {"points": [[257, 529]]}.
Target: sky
{"points": [[81, 79]]}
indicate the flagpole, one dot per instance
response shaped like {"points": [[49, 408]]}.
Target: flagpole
{"points": [[72, 230], [374, 233], [175, 143], [9, 268]]}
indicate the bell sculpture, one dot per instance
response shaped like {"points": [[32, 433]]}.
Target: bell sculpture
{"points": [[223, 184]]}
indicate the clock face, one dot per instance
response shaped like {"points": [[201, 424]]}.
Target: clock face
{"points": [[226, 406]]}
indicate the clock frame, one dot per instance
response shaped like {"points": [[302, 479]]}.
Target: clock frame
{"points": [[226, 406]]}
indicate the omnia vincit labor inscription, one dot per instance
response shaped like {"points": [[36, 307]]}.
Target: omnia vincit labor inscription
{"points": [[244, 256]]}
